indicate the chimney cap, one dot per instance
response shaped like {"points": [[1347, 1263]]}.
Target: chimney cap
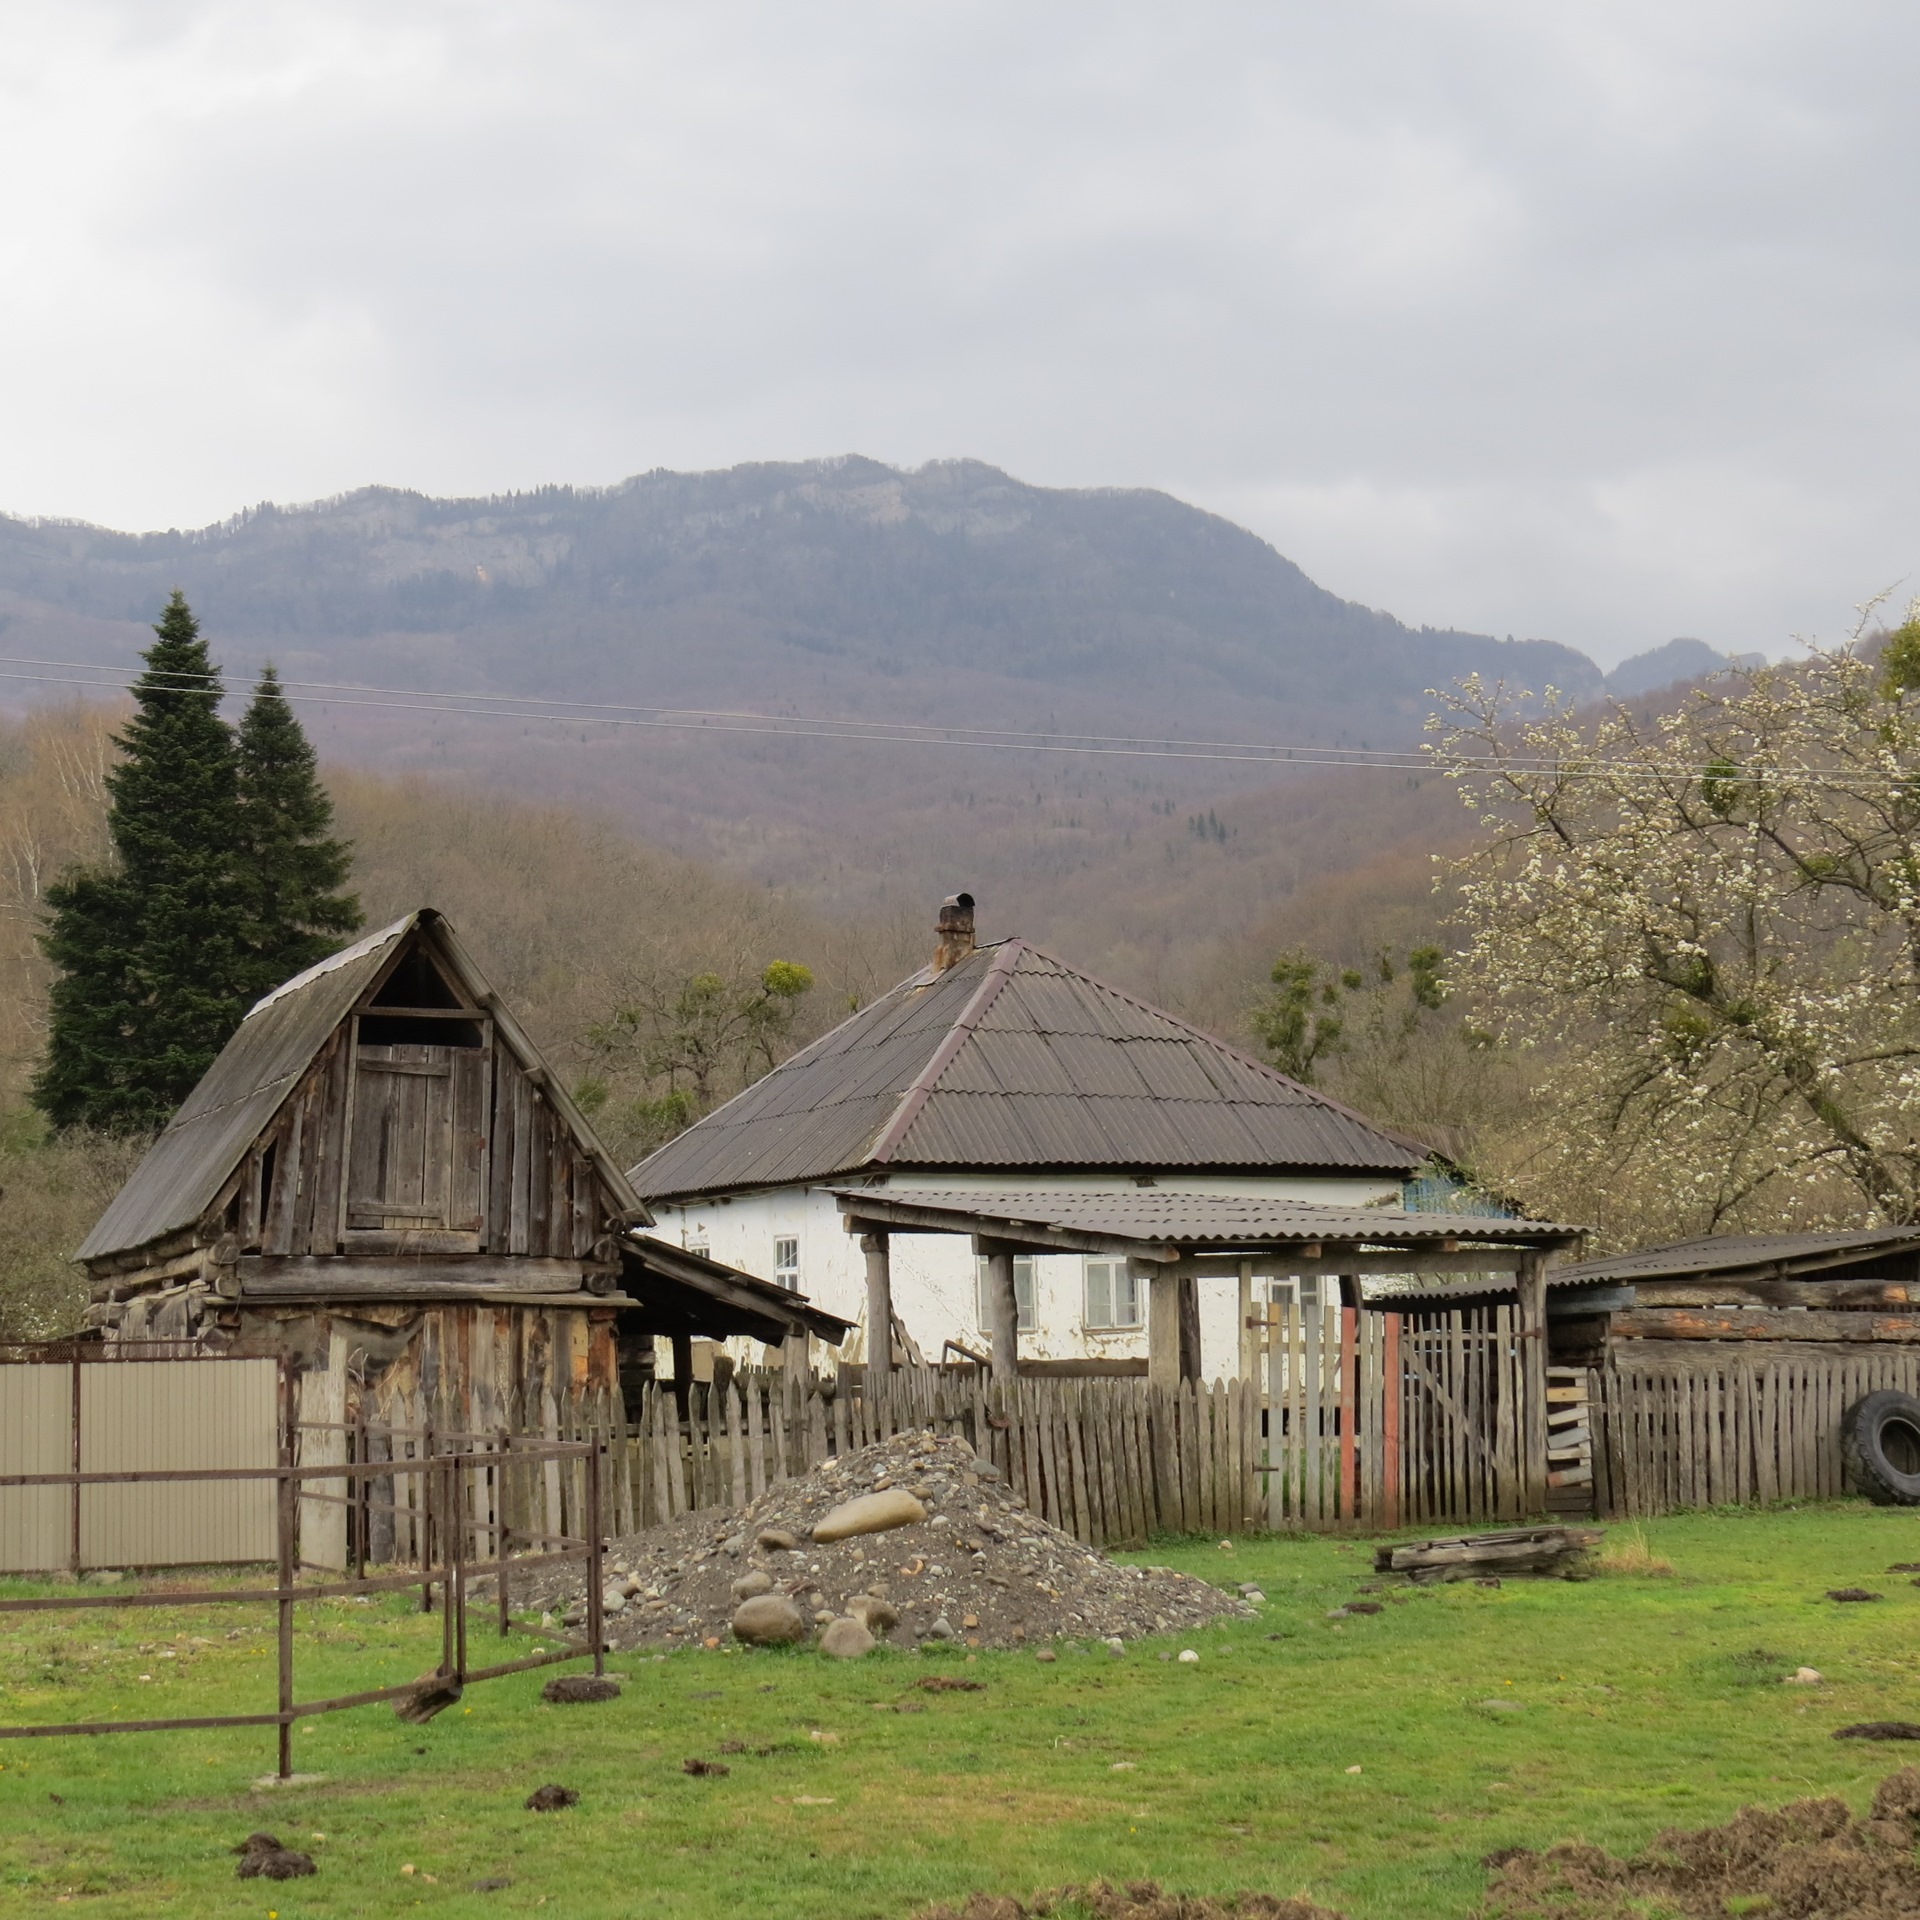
{"points": [[963, 902]]}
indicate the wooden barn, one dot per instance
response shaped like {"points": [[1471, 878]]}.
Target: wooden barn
{"points": [[380, 1178]]}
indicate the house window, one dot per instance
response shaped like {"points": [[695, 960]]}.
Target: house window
{"points": [[1113, 1294], [700, 1247], [1309, 1293], [786, 1262], [1022, 1292]]}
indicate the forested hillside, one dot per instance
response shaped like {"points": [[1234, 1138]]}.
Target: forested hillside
{"points": [[952, 595]]}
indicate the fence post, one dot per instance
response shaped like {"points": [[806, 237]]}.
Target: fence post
{"points": [[1390, 1421], [596, 1625], [500, 1527], [74, 1407], [1349, 1408], [454, 1593], [284, 1508]]}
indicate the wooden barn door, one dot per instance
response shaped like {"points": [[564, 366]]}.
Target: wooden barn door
{"points": [[418, 1160]]}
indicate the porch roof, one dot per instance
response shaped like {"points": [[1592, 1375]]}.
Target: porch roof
{"points": [[1151, 1223]]}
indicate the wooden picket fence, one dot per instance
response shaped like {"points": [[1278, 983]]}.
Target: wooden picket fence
{"points": [[1716, 1425], [1112, 1462], [1368, 1420]]}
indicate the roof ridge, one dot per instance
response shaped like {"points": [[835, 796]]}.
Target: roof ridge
{"points": [[999, 971], [341, 957], [1227, 1047]]}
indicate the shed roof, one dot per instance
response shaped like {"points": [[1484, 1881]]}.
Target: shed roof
{"points": [[1150, 1218], [271, 1049], [1722, 1256], [1013, 1059]]}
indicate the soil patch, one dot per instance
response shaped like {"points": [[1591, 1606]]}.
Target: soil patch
{"points": [[979, 1570], [1137, 1900], [1810, 1860]]}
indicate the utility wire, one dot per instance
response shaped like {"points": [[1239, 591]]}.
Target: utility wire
{"points": [[563, 711]]}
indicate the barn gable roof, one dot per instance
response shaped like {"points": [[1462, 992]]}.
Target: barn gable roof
{"points": [[1013, 1059], [184, 1170]]}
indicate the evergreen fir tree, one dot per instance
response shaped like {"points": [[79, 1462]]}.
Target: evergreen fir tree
{"points": [[289, 869], [151, 968]]}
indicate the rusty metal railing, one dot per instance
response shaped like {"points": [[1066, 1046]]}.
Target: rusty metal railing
{"points": [[445, 1563]]}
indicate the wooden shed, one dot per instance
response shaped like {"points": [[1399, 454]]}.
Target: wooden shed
{"points": [[380, 1177]]}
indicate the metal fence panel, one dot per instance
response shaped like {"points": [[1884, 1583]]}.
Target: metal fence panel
{"points": [[36, 1436], [171, 1415]]}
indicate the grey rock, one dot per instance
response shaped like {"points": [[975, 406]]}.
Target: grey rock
{"points": [[613, 1601], [942, 1629], [769, 1620], [846, 1640], [749, 1584], [873, 1613], [775, 1540]]}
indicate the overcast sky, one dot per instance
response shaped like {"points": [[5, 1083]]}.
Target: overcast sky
{"points": [[1593, 321]]}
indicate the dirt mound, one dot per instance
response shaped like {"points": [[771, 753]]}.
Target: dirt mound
{"points": [[1137, 1900], [980, 1569], [1809, 1861]]}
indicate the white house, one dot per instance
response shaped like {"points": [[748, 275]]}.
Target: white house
{"points": [[1002, 1068]]}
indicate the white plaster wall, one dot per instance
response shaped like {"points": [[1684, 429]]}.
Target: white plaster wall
{"points": [[934, 1284]]}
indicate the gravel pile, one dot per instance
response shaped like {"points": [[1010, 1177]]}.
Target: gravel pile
{"points": [[979, 1569]]}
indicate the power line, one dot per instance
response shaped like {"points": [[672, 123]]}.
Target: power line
{"points": [[563, 711]]}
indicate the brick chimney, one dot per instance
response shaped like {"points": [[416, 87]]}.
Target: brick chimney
{"points": [[955, 932]]}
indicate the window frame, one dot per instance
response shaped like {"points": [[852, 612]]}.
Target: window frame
{"points": [[1118, 1271], [1027, 1320], [786, 1273]]}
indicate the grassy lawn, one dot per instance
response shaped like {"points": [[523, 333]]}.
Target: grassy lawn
{"points": [[1356, 1761]]}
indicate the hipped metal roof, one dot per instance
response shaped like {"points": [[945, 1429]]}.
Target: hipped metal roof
{"points": [[273, 1047], [1156, 1223], [1012, 1059]]}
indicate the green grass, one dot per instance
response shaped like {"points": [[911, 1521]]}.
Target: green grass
{"points": [[1641, 1705]]}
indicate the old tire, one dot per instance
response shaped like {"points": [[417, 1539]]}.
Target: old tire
{"points": [[1880, 1448]]}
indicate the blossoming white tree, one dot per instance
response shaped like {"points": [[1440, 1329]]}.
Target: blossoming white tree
{"points": [[1706, 931]]}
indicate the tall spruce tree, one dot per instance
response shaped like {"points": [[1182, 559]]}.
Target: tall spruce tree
{"points": [[151, 966], [289, 869]]}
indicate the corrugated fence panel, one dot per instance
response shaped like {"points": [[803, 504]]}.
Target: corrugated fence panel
{"points": [[36, 1436], [152, 1415]]}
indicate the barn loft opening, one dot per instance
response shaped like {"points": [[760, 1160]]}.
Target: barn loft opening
{"points": [[415, 986]]}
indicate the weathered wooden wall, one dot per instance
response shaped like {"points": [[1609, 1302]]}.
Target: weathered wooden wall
{"points": [[515, 1183]]}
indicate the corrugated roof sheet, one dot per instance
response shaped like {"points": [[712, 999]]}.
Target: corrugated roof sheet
{"points": [[222, 1117], [1048, 1067], [1153, 1215], [1732, 1253], [255, 1071]]}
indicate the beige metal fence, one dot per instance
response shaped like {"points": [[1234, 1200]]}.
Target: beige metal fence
{"points": [[73, 1412]]}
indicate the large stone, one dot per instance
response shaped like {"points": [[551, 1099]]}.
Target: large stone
{"points": [[769, 1620], [758, 1581], [873, 1613], [846, 1640], [776, 1540], [870, 1513]]}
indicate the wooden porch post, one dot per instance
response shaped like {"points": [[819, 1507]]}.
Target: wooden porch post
{"points": [[1189, 1327], [1248, 1346], [1003, 1308], [1531, 1292], [879, 1303], [1163, 1327], [683, 1372]]}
